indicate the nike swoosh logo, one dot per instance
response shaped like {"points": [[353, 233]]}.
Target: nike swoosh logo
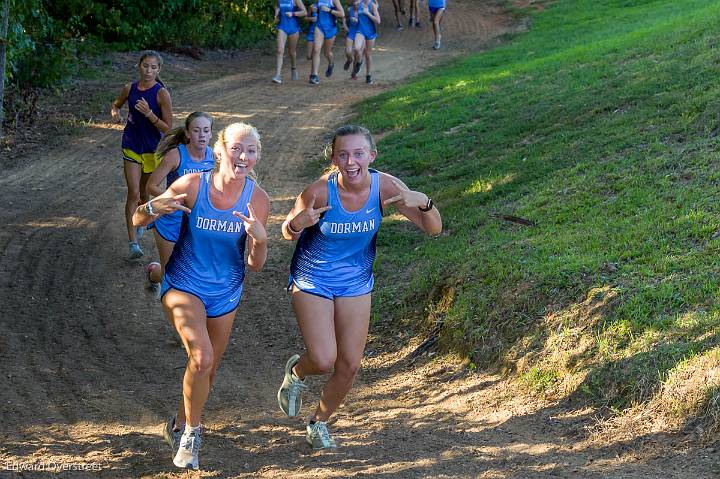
{"points": [[367, 212]]}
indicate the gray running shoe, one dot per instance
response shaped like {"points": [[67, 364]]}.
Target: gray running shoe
{"points": [[171, 436], [277, 79], [290, 393], [318, 436], [134, 251], [187, 454], [294, 74]]}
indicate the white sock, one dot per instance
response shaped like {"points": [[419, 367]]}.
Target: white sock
{"points": [[191, 430]]}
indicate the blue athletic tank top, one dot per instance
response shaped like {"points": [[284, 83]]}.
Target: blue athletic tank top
{"points": [[209, 256], [140, 135], [353, 20], [326, 20], [340, 249], [287, 24], [188, 165], [310, 35], [366, 26]]}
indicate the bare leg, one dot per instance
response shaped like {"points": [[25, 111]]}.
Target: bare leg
{"points": [[133, 173], [437, 27], [328, 50], [315, 317], [352, 317], [359, 47], [318, 44], [369, 44], [205, 341], [292, 49], [280, 51], [165, 249]]}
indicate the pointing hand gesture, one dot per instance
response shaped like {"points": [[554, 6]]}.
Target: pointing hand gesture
{"points": [[407, 197], [169, 205], [254, 228], [309, 216]]}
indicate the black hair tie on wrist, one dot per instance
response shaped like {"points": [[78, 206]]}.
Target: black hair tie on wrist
{"points": [[428, 207]]}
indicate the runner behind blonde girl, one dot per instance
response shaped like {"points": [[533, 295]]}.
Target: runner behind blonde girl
{"points": [[149, 116], [182, 151]]}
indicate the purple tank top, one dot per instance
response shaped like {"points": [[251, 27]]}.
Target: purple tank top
{"points": [[140, 135]]}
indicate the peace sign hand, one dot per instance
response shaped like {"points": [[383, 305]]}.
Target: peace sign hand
{"points": [[407, 197], [309, 216], [253, 227]]}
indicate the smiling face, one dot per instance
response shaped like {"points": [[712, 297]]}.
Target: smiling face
{"points": [[241, 154], [352, 155], [199, 133]]}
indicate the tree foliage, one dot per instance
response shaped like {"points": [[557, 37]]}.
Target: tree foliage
{"points": [[46, 36]]}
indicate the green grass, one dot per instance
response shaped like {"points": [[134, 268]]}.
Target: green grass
{"points": [[600, 125]]}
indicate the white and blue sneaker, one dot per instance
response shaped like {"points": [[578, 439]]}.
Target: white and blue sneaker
{"points": [[187, 454], [318, 436], [290, 393]]}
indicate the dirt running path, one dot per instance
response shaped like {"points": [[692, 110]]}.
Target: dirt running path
{"points": [[91, 367]]}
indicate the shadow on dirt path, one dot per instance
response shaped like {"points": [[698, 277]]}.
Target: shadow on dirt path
{"points": [[91, 367]]}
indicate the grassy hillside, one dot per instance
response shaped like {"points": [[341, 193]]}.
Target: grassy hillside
{"points": [[600, 126]]}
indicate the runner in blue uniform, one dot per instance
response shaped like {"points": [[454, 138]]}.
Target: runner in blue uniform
{"points": [[310, 35], [335, 221], [437, 10], [224, 210], [149, 116], [325, 31], [369, 18], [288, 31], [350, 25], [182, 151]]}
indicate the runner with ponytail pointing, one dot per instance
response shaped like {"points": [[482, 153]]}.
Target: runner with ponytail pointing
{"points": [[335, 222]]}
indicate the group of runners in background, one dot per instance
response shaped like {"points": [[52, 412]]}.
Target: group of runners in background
{"points": [[360, 23], [209, 214]]}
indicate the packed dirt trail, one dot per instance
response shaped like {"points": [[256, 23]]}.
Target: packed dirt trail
{"points": [[91, 368]]}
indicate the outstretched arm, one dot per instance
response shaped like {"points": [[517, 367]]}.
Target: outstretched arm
{"points": [[178, 196]]}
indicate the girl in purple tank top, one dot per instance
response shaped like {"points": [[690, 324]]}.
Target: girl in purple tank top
{"points": [[224, 212], [335, 220], [149, 116]]}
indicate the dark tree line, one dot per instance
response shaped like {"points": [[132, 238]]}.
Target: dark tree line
{"points": [[45, 37]]}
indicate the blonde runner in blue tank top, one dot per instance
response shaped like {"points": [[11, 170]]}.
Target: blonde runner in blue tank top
{"points": [[208, 260]]}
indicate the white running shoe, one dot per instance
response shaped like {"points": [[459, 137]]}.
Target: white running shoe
{"points": [[277, 79], [290, 393], [318, 436], [187, 454]]}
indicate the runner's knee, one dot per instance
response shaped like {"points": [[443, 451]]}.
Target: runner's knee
{"points": [[324, 362]]}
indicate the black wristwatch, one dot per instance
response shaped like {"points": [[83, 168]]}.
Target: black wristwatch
{"points": [[428, 207]]}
